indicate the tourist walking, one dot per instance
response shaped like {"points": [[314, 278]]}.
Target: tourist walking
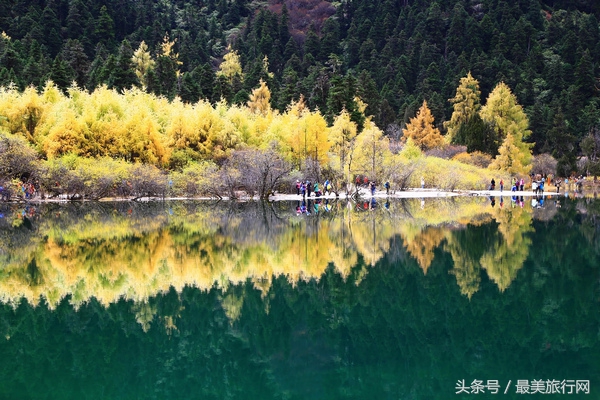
{"points": [[317, 191], [326, 187]]}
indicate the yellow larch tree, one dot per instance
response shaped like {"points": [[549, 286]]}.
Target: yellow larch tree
{"points": [[144, 141], [193, 129], [343, 134], [372, 152], [66, 135], [167, 50], [293, 133], [231, 65], [466, 103], [507, 118], [21, 112], [422, 131], [318, 144], [260, 99], [143, 62]]}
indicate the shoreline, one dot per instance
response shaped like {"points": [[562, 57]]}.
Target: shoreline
{"points": [[363, 194]]}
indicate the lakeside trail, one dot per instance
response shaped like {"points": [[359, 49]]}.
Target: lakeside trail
{"points": [[414, 193], [362, 194]]}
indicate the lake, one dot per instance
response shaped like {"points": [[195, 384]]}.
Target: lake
{"points": [[404, 299]]}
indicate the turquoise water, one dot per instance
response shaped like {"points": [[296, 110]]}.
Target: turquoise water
{"points": [[204, 301]]}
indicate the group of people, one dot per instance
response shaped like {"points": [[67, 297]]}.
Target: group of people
{"points": [[25, 190], [305, 188], [516, 184]]}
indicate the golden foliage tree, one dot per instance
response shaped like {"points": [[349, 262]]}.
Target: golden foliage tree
{"points": [[422, 131], [260, 99], [143, 62], [231, 65], [343, 134], [507, 118], [466, 103], [372, 152], [167, 50], [513, 157]]}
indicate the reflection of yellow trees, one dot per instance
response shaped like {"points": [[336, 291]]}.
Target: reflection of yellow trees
{"points": [[422, 246], [502, 259], [467, 270], [506, 257], [124, 257]]}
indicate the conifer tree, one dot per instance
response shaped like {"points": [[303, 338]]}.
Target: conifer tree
{"points": [[466, 103], [231, 66], [512, 158], [105, 29], [74, 55], [123, 75], [142, 62], [422, 131], [260, 99], [343, 134], [60, 73], [509, 121], [504, 114]]}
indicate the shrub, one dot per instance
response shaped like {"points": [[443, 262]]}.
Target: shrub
{"points": [[476, 158], [90, 178], [441, 174], [147, 181], [544, 164], [17, 158], [446, 152], [195, 179]]}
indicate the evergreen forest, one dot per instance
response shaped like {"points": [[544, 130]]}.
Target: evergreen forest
{"points": [[379, 61]]}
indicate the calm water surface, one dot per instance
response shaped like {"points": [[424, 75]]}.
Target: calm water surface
{"points": [[398, 300]]}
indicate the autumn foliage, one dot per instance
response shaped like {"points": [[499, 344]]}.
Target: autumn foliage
{"points": [[90, 144]]}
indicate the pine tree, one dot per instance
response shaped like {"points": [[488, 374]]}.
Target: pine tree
{"points": [[73, 53], [477, 136], [51, 25], [98, 74], [422, 131], [61, 74], [104, 31], [123, 75], [562, 144], [190, 89]]}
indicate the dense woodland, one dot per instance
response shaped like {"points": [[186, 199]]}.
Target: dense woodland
{"points": [[392, 56]]}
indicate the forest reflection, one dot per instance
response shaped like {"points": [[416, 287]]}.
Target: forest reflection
{"points": [[132, 251]]}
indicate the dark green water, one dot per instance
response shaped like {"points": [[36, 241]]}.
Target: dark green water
{"points": [[431, 297]]}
